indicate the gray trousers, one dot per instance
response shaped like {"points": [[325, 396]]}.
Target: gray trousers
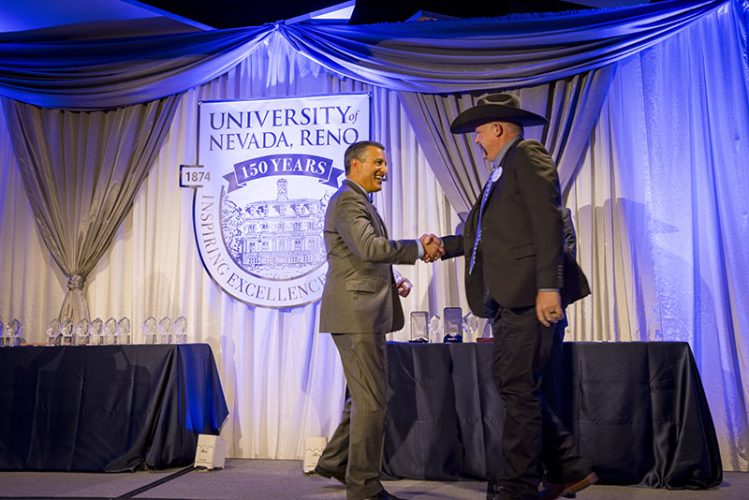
{"points": [[356, 445]]}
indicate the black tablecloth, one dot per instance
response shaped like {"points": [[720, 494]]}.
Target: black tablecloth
{"points": [[106, 408], [637, 410]]}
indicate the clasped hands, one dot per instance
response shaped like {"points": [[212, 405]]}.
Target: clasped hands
{"points": [[433, 248]]}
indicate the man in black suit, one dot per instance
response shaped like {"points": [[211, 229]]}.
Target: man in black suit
{"points": [[519, 276]]}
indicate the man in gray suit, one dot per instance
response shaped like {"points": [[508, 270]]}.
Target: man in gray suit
{"points": [[360, 304]]}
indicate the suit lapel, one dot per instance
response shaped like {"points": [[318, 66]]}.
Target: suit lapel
{"points": [[374, 216], [380, 221], [473, 217], [503, 165]]}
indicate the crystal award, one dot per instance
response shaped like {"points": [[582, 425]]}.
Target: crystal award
{"points": [[94, 332], [17, 331], [487, 335], [180, 330], [66, 332], [470, 327], [165, 330], [419, 327], [110, 331], [149, 330], [3, 337], [123, 331], [453, 325], [80, 332], [53, 332], [435, 328]]}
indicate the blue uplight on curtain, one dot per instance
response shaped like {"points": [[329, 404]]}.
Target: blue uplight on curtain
{"points": [[433, 57]]}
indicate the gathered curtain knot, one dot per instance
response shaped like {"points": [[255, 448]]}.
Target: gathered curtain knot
{"points": [[76, 282]]}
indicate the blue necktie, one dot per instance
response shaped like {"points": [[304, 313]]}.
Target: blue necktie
{"points": [[494, 176]]}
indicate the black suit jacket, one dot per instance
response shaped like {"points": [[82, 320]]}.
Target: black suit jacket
{"points": [[522, 237]]}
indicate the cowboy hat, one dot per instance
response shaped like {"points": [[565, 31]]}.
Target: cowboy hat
{"points": [[494, 108]]}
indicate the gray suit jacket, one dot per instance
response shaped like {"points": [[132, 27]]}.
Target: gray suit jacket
{"points": [[360, 294]]}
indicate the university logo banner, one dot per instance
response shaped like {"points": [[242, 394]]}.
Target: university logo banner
{"points": [[267, 169]]}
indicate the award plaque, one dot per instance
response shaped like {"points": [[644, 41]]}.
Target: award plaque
{"points": [[453, 324], [419, 327]]}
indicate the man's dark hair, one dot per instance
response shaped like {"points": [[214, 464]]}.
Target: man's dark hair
{"points": [[356, 149]]}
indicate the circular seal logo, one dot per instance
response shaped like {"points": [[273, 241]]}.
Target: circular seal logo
{"points": [[260, 200], [262, 239]]}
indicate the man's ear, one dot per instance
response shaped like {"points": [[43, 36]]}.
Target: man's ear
{"points": [[499, 129]]}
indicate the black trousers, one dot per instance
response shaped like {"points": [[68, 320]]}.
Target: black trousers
{"points": [[533, 433]]}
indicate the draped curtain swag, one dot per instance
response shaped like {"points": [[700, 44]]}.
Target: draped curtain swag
{"points": [[81, 171], [431, 57], [441, 56], [572, 106], [648, 275]]}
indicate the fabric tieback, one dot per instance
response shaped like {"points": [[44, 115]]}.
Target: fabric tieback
{"points": [[76, 282], [494, 176]]}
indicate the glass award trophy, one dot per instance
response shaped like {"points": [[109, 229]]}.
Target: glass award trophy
{"points": [[53, 332], [470, 327], [66, 332], [419, 327], [453, 325], [165, 330], [180, 330], [123, 331], [80, 333], [94, 332], [109, 332], [487, 335], [435, 329], [149, 330], [13, 333], [3, 337], [17, 331]]}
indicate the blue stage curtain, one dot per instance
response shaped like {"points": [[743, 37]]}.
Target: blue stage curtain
{"points": [[434, 56], [660, 203], [100, 74], [474, 54]]}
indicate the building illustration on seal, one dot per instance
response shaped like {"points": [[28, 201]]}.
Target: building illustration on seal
{"points": [[277, 238], [259, 204]]}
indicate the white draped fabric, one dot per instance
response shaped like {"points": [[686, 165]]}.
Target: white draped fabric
{"points": [[282, 379], [660, 204]]}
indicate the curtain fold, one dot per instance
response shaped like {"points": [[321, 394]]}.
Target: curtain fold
{"points": [[434, 57], [98, 74], [81, 171], [572, 106], [475, 54], [659, 204], [282, 378]]}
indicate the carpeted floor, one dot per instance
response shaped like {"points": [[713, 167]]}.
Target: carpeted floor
{"points": [[283, 479]]}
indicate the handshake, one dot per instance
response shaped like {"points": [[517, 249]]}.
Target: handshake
{"points": [[433, 248]]}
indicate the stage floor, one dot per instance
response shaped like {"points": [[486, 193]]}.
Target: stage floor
{"points": [[283, 479]]}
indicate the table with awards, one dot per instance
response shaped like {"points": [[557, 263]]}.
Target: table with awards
{"points": [[107, 408], [636, 409]]}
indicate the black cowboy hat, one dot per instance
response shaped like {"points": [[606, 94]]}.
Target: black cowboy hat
{"points": [[494, 108]]}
